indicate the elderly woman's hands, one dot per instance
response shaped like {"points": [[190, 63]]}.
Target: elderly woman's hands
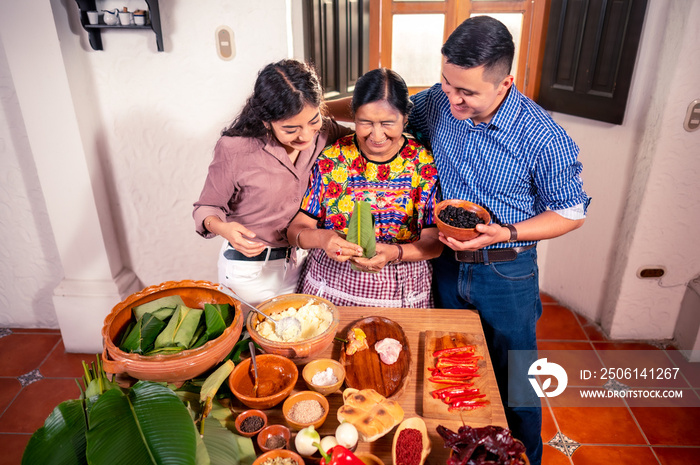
{"points": [[384, 254], [336, 247]]}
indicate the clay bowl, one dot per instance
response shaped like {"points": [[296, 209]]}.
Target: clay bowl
{"points": [[460, 234], [247, 414], [276, 379], [273, 430], [171, 368], [298, 397], [302, 351], [322, 364], [283, 453]]}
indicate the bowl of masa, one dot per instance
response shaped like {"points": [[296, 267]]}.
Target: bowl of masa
{"points": [[319, 320]]}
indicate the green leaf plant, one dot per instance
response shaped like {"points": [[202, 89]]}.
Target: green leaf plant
{"points": [[147, 423]]}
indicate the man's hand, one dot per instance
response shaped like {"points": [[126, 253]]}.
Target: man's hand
{"points": [[489, 234]]}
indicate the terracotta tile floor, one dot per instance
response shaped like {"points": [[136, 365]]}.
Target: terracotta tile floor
{"points": [[36, 374]]}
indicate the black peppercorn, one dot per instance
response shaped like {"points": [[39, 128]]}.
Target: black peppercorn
{"points": [[251, 424]]}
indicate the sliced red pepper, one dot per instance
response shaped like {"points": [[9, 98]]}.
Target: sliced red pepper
{"points": [[455, 350], [453, 371], [445, 380], [466, 358], [443, 363], [467, 405], [466, 376], [464, 388], [458, 371], [452, 398]]}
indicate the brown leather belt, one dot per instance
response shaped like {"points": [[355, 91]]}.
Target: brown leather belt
{"points": [[490, 255]]}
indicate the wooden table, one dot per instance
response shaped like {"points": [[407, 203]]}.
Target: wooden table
{"points": [[414, 323]]}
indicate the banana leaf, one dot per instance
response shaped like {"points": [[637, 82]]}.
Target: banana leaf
{"points": [[226, 448], [142, 336], [61, 441], [361, 230], [180, 329], [171, 302], [146, 425], [216, 317]]}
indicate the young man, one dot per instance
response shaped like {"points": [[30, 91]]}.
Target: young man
{"points": [[495, 147]]}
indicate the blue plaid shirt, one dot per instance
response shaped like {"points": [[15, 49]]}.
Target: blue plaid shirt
{"points": [[518, 165]]}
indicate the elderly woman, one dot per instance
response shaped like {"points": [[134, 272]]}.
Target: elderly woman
{"points": [[380, 165]]}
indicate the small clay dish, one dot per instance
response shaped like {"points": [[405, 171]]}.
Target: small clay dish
{"points": [[273, 430], [298, 397], [320, 365], [277, 376], [283, 453], [247, 414], [460, 234]]}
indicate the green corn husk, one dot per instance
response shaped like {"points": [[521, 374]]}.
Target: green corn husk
{"points": [[170, 302], [180, 329], [143, 335], [361, 230]]}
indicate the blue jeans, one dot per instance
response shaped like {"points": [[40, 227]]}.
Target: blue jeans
{"points": [[507, 297]]}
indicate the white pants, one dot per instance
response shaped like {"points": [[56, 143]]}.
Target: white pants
{"points": [[256, 281]]}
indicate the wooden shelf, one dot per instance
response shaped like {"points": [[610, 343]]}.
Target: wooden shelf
{"points": [[95, 30]]}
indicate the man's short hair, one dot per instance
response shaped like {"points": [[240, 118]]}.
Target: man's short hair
{"points": [[481, 40]]}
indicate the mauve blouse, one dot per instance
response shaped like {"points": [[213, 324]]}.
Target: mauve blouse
{"points": [[253, 182]]}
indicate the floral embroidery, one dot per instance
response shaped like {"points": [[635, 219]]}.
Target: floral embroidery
{"points": [[401, 191], [428, 171], [325, 165], [383, 172], [339, 174], [334, 189]]}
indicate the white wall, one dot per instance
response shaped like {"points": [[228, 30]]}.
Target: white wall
{"points": [[642, 176], [29, 264], [149, 121]]}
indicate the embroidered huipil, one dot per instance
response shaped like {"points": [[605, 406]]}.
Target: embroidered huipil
{"points": [[400, 190], [517, 166]]}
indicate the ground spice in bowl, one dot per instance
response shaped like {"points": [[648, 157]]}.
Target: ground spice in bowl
{"points": [[275, 442], [409, 447], [252, 424], [306, 411]]}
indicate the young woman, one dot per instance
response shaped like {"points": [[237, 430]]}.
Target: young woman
{"points": [[258, 177], [380, 165]]}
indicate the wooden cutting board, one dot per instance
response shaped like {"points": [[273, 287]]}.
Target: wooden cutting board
{"points": [[436, 408], [365, 370]]}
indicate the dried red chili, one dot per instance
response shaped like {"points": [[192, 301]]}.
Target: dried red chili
{"points": [[409, 447]]}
